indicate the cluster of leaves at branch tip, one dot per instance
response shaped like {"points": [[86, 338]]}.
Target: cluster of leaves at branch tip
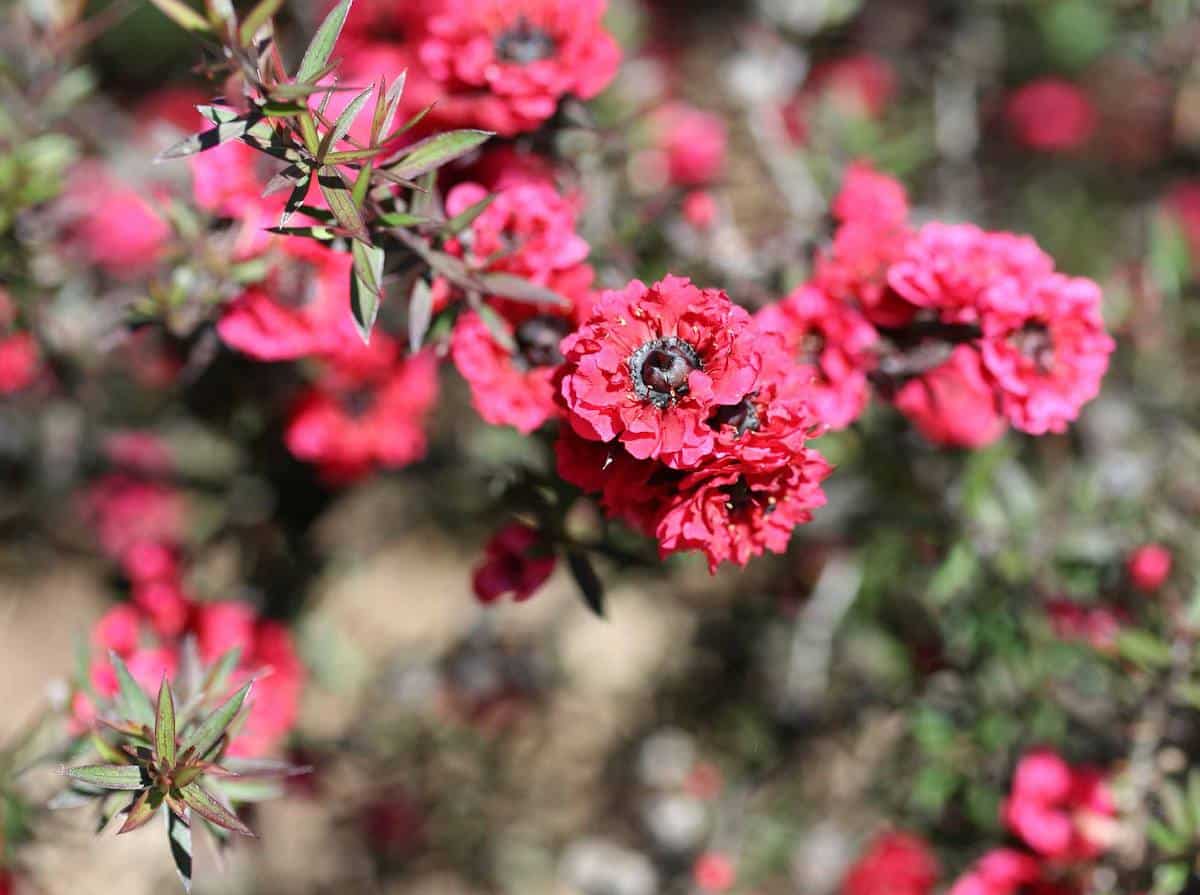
{"points": [[380, 200], [167, 756]]}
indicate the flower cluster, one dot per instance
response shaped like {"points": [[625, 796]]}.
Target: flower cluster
{"points": [[689, 421], [964, 330], [894, 864], [499, 66]]}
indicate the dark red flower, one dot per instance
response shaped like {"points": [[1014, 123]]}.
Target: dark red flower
{"points": [[505, 66], [651, 365], [355, 420], [634, 491], [516, 561], [20, 362], [954, 404], [895, 864], [1045, 348], [732, 510], [1050, 115], [831, 345], [1097, 626], [1149, 567]]}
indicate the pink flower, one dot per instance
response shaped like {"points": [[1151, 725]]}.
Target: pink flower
{"points": [[1046, 350], [895, 864], [352, 422], [954, 268], [505, 66], [713, 872], [1050, 115], [1002, 871], [700, 209], [692, 142], [165, 605], [869, 197], [115, 226], [510, 387], [953, 404], [652, 363], [1149, 567], [126, 511], [117, 630], [1097, 626], [831, 344], [20, 362], [1052, 804], [516, 561]]}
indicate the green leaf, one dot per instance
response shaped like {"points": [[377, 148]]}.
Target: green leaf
{"points": [[295, 201], [317, 54], [342, 126], [321, 234], [131, 699], [366, 286], [420, 312], [505, 285], [164, 725], [207, 806], [341, 202], [403, 219], [588, 582], [204, 737], [218, 676], [264, 767], [109, 776], [142, 811], [258, 17], [107, 751], [351, 155], [1143, 648], [182, 14], [497, 328], [239, 790], [179, 836], [209, 139], [386, 106], [467, 216], [435, 151]]}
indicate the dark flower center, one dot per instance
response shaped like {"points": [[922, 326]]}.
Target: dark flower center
{"points": [[538, 337], [524, 43], [358, 403], [811, 347], [743, 416], [1033, 340], [660, 370], [740, 499]]}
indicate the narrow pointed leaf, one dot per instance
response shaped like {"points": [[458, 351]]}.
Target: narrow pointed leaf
{"points": [[362, 183], [341, 202], [435, 151], [393, 103], [321, 234], [403, 219], [408, 125], [215, 137], [204, 737], [182, 14], [420, 312], [109, 776], [506, 285], [257, 17], [131, 699], [351, 155], [366, 286], [590, 586], [218, 676], [467, 216], [296, 200], [289, 176], [342, 126], [264, 767], [179, 836], [218, 114], [207, 806], [164, 724], [496, 327], [317, 54], [106, 750], [142, 811]]}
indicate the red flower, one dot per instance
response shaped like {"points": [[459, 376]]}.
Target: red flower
{"points": [[1149, 567], [872, 234], [516, 561], [126, 511], [117, 629], [652, 364], [692, 143], [1046, 350], [1183, 203], [831, 344], [20, 362], [1097, 626], [895, 864], [115, 226], [302, 310], [732, 510], [505, 66], [700, 209], [713, 872], [165, 604], [953, 268], [352, 421], [510, 387], [1003, 871], [631, 490], [1052, 806], [953, 404], [1050, 115]]}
